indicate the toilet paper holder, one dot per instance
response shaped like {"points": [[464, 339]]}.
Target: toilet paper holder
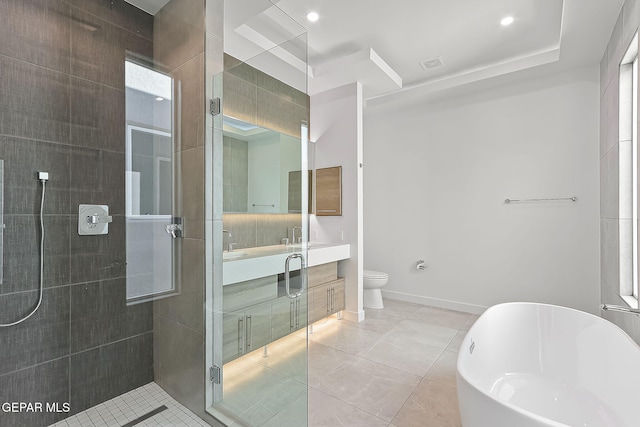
{"points": [[421, 265]]}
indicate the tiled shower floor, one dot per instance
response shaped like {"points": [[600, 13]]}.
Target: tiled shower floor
{"points": [[132, 405]]}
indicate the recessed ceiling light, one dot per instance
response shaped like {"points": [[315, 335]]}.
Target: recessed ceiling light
{"points": [[508, 20], [159, 98], [312, 16]]}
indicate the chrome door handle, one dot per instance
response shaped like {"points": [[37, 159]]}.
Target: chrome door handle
{"points": [[291, 314], [287, 275], [249, 334], [240, 335], [328, 300]]}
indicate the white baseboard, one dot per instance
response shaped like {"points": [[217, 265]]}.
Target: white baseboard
{"points": [[434, 302], [353, 316]]}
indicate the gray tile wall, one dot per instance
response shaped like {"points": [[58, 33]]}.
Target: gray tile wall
{"points": [[610, 220], [256, 97], [178, 321], [62, 111], [188, 42], [252, 230], [235, 169]]}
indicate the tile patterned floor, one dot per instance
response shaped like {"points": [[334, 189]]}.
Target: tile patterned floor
{"points": [[394, 369], [129, 406]]}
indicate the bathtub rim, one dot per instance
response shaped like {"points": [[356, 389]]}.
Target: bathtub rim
{"points": [[461, 376]]}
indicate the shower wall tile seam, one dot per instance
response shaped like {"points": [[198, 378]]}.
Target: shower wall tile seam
{"points": [[187, 150], [169, 319], [97, 83], [110, 343], [89, 282], [195, 56], [114, 23], [44, 362], [9, 294], [69, 378], [46, 215], [84, 283], [23, 61], [606, 153], [70, 333], [43, 141], [60, 143], [609, 80]]}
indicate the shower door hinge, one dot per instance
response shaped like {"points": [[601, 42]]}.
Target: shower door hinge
{"points": [[214, 374], [214, 106]]}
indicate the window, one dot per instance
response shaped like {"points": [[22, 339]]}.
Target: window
{"points": [[628, 174], [151, 226]]}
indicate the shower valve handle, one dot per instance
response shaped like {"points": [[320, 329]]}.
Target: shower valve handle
{"points": [[176, 228], [97, 219]]}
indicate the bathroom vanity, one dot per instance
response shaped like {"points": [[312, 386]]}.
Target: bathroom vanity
{"points": [[257, 308]]}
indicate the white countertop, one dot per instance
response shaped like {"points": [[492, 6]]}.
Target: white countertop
{"points": [[251, 263]]}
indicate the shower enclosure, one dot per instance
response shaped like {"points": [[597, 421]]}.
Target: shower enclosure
{"points": [[118, 102], [63, 90], [256, 285]]}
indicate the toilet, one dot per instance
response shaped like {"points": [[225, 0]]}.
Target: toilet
{"points": [[372, 282]]}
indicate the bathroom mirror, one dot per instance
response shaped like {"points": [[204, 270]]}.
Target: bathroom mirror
{"points": [[257, 166]]}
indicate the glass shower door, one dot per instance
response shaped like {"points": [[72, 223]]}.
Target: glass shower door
{"points": [[257, 296]]}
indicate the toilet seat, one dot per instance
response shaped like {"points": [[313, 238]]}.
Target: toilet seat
{"points": [[371, 274]]}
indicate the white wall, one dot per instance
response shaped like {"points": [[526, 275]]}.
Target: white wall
{"points": [[264, 174], [614, 220], [270, 160], [336, 128], [436, 177]]}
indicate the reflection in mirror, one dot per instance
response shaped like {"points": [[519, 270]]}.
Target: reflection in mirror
{"points": [[256, 169], [148, 182]]}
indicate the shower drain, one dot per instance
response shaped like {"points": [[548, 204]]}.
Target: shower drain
{"points": [[145, 416]]}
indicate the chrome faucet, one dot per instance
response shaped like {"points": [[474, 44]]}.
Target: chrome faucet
{"points": [[293, 235], [229, 243]]}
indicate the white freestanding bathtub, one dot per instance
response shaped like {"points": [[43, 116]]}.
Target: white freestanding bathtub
{"points": [[526, 365]]}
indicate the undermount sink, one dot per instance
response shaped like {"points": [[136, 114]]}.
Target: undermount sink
{"points": [[233, 254]]}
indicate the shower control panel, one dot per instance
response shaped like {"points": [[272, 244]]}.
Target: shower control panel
{"points": [[93, 220]]}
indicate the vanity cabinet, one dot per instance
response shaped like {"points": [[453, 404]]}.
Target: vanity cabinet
{"points": [[287, 315], [327, 299], [246, 320], [257, 313], [326, 291], [246, 330], [329, 191]]}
